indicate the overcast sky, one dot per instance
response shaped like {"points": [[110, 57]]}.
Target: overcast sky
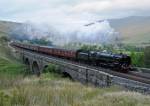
{"points": [[71, 11]]}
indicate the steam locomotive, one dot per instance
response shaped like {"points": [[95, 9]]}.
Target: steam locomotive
{"points": [[117, 62]]}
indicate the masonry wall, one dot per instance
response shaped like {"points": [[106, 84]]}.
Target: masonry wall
{"points": [[85, 75]]}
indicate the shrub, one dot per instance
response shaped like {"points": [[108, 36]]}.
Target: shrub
{"points": [[147, 56], [4, 39], [51, 69], [137, 58]]}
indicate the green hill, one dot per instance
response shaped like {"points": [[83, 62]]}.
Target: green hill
{"points": [[134, 30], [6, 27]]}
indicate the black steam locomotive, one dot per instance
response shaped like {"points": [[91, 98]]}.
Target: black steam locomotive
{"points": [[117, 62]]}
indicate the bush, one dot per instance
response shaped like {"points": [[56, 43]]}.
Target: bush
{"points": [[137, 58], [42, 41], [147, 56], [4, 39], [51, 69]]}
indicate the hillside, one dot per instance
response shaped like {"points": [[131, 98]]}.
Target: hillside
{"points": [[135, 30], [6, 27]]}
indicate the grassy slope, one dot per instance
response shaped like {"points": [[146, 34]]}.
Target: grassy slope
{"points": [[6, 26], [46, 92]]}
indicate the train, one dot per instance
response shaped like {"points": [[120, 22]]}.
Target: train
{"points": [[118, 62]]}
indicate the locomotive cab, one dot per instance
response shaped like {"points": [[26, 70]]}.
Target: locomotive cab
{"points": [[124, 63]]}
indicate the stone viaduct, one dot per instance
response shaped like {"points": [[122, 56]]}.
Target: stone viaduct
{"points": [[78, 72], [38, 62]]}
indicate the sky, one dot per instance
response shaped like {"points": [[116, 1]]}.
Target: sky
{"points": [[71, 11]]}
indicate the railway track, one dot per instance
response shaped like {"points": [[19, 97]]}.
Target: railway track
{"points": [[140, 77], [132, 75], [137, 76], [140, 74]]}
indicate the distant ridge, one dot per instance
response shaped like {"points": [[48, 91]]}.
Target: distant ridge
{"points": [[7, 26], [134, 29]]}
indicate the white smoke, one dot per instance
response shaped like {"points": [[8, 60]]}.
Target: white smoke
{"points": [[61, 34], [97, 33]]}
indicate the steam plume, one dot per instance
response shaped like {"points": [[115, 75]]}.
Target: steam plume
{"points": [[97, 33]]}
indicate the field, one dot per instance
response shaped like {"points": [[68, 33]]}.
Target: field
{"points": [[20, 89]]}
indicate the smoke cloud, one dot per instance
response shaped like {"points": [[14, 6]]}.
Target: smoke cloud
{"points": [[95, 33]]}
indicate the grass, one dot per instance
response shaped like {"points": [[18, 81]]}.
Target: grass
{"points": [[33, 91], [50, 89], [10, 68]]}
